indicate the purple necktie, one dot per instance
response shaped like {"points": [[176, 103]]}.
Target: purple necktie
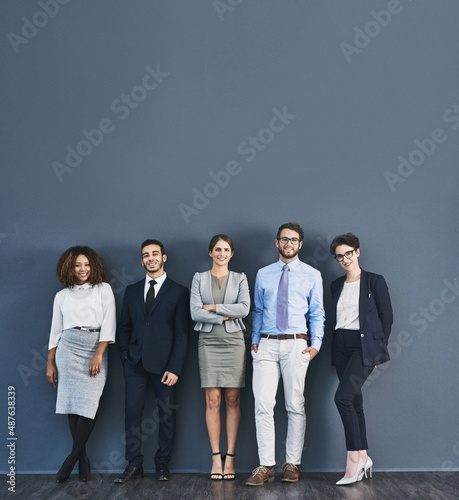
{"points": [[282, 301]]}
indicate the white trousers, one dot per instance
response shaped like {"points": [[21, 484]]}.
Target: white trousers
{"points": [[273, 359]]}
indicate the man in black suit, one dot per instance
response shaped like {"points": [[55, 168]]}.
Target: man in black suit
{"points": [[152, 338]]}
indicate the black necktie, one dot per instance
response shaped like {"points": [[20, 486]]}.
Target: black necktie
{"points": [[150, 296]]}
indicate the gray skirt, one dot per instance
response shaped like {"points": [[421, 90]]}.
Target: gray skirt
{"points": [[77, 392], [221, 358]]}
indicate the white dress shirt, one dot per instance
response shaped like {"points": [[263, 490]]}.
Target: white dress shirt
{"points": [[347, 309], [84, 305], [157, 287]]}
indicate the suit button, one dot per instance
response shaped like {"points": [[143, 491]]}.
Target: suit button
{"points": [[148, 324], [362, 335]]}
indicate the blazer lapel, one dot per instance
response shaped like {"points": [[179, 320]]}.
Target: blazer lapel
{"points": [[230, 286], [139, 296], [206, 288], [161, 293], [338, 291]]}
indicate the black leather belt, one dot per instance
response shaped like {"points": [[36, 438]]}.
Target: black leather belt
{"points": [[83, 329], [286, 336]]}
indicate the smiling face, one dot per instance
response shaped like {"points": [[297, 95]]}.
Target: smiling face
{"points": [[288, 249], [81, 270], [153, 260], [221, 254], [351, 263]]}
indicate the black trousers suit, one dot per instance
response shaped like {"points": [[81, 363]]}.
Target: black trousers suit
{"points": [[355, 353], [150, 345]]}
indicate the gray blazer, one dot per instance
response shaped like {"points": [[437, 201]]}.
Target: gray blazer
{"points": [[237, 302]]}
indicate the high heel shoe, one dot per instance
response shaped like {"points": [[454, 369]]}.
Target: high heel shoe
{"points": [[66, 469], [230, 476], [216, 476], [369, 467], [358, 476], [84, 468]]}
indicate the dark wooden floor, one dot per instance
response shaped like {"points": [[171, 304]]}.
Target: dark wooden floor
{"points": [[384, 485]]}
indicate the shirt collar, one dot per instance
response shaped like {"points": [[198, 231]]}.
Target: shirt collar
{"points": [[84, 286], [159, 281], [292, 265]]}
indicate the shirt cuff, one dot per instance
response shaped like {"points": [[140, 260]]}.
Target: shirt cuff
{"points": [[256, 338], [316, 344]]}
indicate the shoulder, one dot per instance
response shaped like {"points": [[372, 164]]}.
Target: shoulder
{"points": [[372, 277], [60, 295], [238, 276], [200, 276], [135, 286], [268, 269], [175, 286], [306, 268], [105, 288], [336, 282]]}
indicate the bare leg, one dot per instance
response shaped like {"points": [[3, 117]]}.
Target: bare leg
{"points": [[213, 422], [233, 417]]}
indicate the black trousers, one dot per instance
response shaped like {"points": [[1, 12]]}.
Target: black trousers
{"points": [[161, 420], [352, 375]]}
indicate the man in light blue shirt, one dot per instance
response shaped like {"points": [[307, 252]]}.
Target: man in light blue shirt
{"points": [[288, 295]]}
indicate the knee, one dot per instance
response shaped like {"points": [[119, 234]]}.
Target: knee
{"points": [[341, 400], [213, 402], [232, 401]]}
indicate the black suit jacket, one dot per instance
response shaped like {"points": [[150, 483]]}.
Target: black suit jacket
{"points": [[161, 338], [375, 316]]}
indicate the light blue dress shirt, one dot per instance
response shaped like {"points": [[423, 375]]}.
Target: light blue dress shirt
{"points": [[305, 301]]}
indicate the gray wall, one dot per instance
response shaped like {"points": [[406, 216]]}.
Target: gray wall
{"points": [[357, 88]]}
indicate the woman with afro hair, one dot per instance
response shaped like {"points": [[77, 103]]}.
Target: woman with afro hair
{"points": [[83, 324]]}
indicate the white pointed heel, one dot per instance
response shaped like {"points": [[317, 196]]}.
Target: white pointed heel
{"points": [[358, 476], [369, 467]]}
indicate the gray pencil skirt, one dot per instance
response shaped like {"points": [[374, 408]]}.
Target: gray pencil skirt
{"points": [[77, 392]]}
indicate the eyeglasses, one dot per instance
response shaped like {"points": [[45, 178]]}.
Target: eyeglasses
{"points": [[285, 240], [348, 255]]}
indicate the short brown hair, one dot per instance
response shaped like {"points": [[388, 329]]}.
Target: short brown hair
{"points": [[293, 226], [348, 239], [66, 265]]}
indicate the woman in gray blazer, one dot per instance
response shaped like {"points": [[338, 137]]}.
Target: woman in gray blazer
{"points": [[219, 300]]}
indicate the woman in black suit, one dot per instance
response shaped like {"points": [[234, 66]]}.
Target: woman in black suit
{"points": [[362, 318]]}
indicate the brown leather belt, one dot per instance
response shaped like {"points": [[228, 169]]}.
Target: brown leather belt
{"points": [[286, 336]]}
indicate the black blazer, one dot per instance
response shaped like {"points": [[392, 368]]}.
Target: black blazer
{"points": [[375, 316], [159, 339]]}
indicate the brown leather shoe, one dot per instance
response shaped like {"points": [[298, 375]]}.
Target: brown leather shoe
{"points": [[260, 476], [291, 473]]}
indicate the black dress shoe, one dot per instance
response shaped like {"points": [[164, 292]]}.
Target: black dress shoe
{"points": [[84, 468], [66, 469], [60, 478], [162, 472], [129, 474]]}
